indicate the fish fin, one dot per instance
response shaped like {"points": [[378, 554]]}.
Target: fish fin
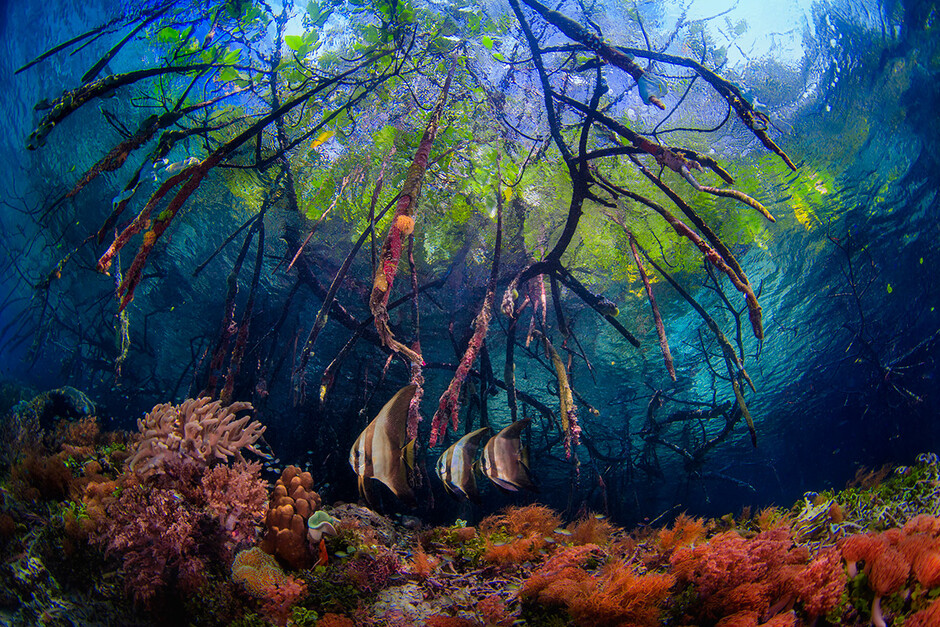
{"points": [[504, 485], [408, 454], [365, 490], [524, 457]]}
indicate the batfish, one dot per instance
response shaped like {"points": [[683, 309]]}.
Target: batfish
{"points": [[505, 462], [380, 451], [456, 466]]}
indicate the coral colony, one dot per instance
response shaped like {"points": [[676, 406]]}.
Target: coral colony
{"points": [[174, 522]]}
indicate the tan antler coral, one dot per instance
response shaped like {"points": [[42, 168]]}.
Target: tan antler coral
{"points": [[197, 430]]}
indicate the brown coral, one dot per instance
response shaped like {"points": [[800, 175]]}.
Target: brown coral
{"points": [[291, 504]]}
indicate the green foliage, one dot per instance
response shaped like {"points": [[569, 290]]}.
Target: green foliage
{"points": [[328, 591], [250, 620], [303, 617]]}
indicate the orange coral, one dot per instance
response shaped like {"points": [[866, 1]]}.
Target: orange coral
{"points": [[923, 523], [740, 619], [887, 575], [771, 518], [787, 619], [927, 568], [527, 520], [563, 565], [591, 530], [860, 547], [616, 597], [820, 585], [494, 611], [685, 531], [421, 564], [929, 617], [515, 551], [620, 598], [261, 576]]}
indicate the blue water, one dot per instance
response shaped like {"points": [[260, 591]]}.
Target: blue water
{"points": [[847, 276]]}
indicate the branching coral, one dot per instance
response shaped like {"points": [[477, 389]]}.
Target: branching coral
{"points": [[167, 526], [732, 574], [685, 531], [154, 532], [197, 431], [527, 520], [614, 597], [236, 495]]}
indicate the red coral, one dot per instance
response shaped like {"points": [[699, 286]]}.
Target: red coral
{"points": [[820, 585], [923, 523], [927, 569], [740, 619], [929, 617], [737, 577], [860, 547], [261, 575], [787, 619], [371, 573], [494, 611], [565, 565], [685, 531], [888, 573], [618, 597]]}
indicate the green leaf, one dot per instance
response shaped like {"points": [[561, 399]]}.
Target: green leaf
{"points": [[487, 42], [294, 42], [168, 35], [499, 56], [231, 57], [318, 14]]}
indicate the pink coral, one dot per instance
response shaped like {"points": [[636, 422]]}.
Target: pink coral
{"points": [[197, 431], [167, 526], [152, 529], [746, 578], [371, 573], [236, 496]]}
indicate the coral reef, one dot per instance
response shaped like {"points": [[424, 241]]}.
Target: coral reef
{"points": [[82, 535]]}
